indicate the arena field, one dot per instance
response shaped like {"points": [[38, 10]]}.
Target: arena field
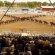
{"points": [[28, 25]]}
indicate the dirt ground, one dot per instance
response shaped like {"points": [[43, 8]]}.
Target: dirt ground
{"points": [[28, 25]]}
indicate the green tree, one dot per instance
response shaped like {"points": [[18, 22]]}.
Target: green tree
{"points": [[30, 4], [54, 3], [23, 4], [44, 3], [39, 4], [1, 4], [7, 4]]}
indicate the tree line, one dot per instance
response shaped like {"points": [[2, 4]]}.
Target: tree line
{"points": [[25, 4]]}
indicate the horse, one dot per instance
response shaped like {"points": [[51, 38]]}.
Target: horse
{"points": [[6, 22], [52, 23], [27, 18], [45, 22], [39, 21], [22, 19], [36, 20], [1, 22], [32, 19]]}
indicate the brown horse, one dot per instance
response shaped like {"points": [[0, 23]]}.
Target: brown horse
{"points": [[32, 19], [45, 22], [44, 15], [40, 15], [22, 19], [36, 20], [27, 18], [36, 16], [52, 23], [39, 21], [1, 22], [6, 22]]}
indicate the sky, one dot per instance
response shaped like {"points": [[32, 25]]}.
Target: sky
{"points": [[29, 0]]}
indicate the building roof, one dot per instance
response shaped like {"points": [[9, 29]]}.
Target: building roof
{"points": [[47, 7]]}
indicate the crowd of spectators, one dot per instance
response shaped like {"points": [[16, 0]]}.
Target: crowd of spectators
{"points": [[26, 45]]}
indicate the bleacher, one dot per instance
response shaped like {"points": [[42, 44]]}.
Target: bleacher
{"points": [[22, 44]]}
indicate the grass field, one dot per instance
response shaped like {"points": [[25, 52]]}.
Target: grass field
{"points": [[28, 25]]}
